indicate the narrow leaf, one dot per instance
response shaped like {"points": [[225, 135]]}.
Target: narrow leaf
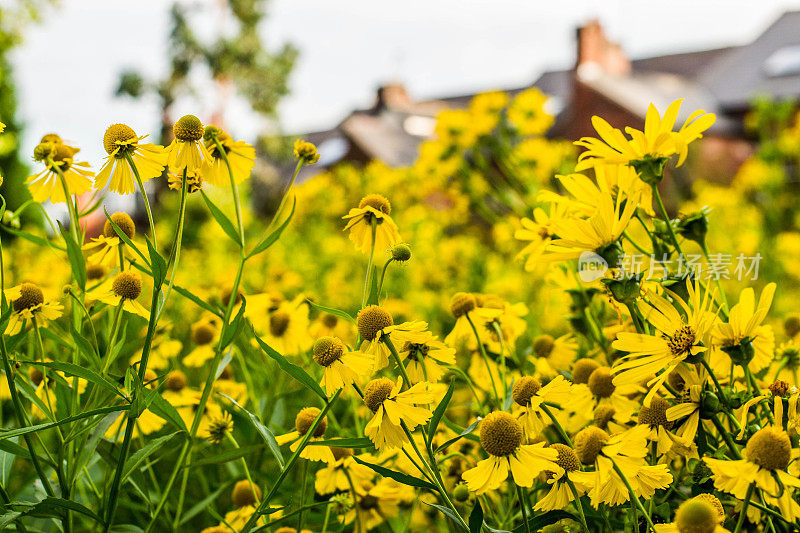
{"points": [[292, 369], [332, 311], [405, 479], [223, 221], [273, 237], [81, 372]]}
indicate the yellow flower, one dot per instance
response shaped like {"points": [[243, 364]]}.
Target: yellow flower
{"points": [[599, 233], [704, 512], [744, 338], [284, 328], [530, 395], [656, 141], [628, 451], [375, 503], [204, 334], [422, 359], [241, 157], [186, 151], [376, 327], [691, 381], [370, 224], [194, 181], [560, 494], [768, 455], [121, 142], [124, 290], [680, 337], [502, 438], [28, 303], [341, 367], [105, 248], [538, 233], [464, 308], [302, 424], [305, 151], [527, 112], [336, 476], [57, 156], [391, 408]]}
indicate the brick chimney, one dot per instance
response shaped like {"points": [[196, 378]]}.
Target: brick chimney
{"points": [[595, 51], [393, 96]]}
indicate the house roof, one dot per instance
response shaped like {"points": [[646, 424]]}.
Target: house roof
{"points": [[769, 65]]}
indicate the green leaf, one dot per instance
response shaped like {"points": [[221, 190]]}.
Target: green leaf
{"points": [[41, 241], [81, 372], [40, 427], [84, 346], [235, 327], [88, 449], [49, 507], [146, 451], [538, 522], [273, 237], [465, 433], [162, 408], [476, 518], [449, 513], [226, 456], [203, 504], [292, 369], [75, 256], [125, 239], [405, 479], [196, 299], [158, 264], [355, 442], [438, 413], [263, 430], [223, 221], [332, 311]]}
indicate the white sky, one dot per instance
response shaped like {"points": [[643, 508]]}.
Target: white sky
{"points": [[68, 67]]}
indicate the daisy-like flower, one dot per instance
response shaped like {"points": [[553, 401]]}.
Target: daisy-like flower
{"points": [[628, 451], [186, 151], [680, 337], [423, 359], [560, 494], [226, 384], [529, 394], [787, 362], [392, 408], [537, 233], [656, 142], [194, 181], [599, 233], [121, 142], [341, 367], [375, 503], [606, 393], [245, 496], [47, 185], [372, 212], [464, 308], [284, 327], [333, 477], [502, 439], [655, 417], [376, 326], [204, 334], [527, 112], [241, 157], [703, 513], [124, 290], [104, 249], [302, 424], [219, 427], [744, 338], [767, 457], [328, 325], [554, 355], [27, 302], [305, 151]]}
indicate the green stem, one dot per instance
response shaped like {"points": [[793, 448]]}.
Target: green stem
{"points": [[660, 202], [175, 254], [383, 275], [71, 207], [561, 432], [139, 182], [364, 296], [522, 506], [633, 496], [578, 503], [722, 296], [234, 188], [485, 359], [745, 504], [292, 460], [396, 358]]}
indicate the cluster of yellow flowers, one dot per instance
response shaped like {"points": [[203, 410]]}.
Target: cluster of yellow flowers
{"points": [[455, 364]]}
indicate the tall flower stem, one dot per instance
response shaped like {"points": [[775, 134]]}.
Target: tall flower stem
{"points": [[175, 254], [704, 247], [523, 506], [633, 496], [234, 188], [396, 358], [745, 504], [292, 460], [557, 424], [139, 182], [660, 202], [578, 503], [485, 358], [365, 294]]}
